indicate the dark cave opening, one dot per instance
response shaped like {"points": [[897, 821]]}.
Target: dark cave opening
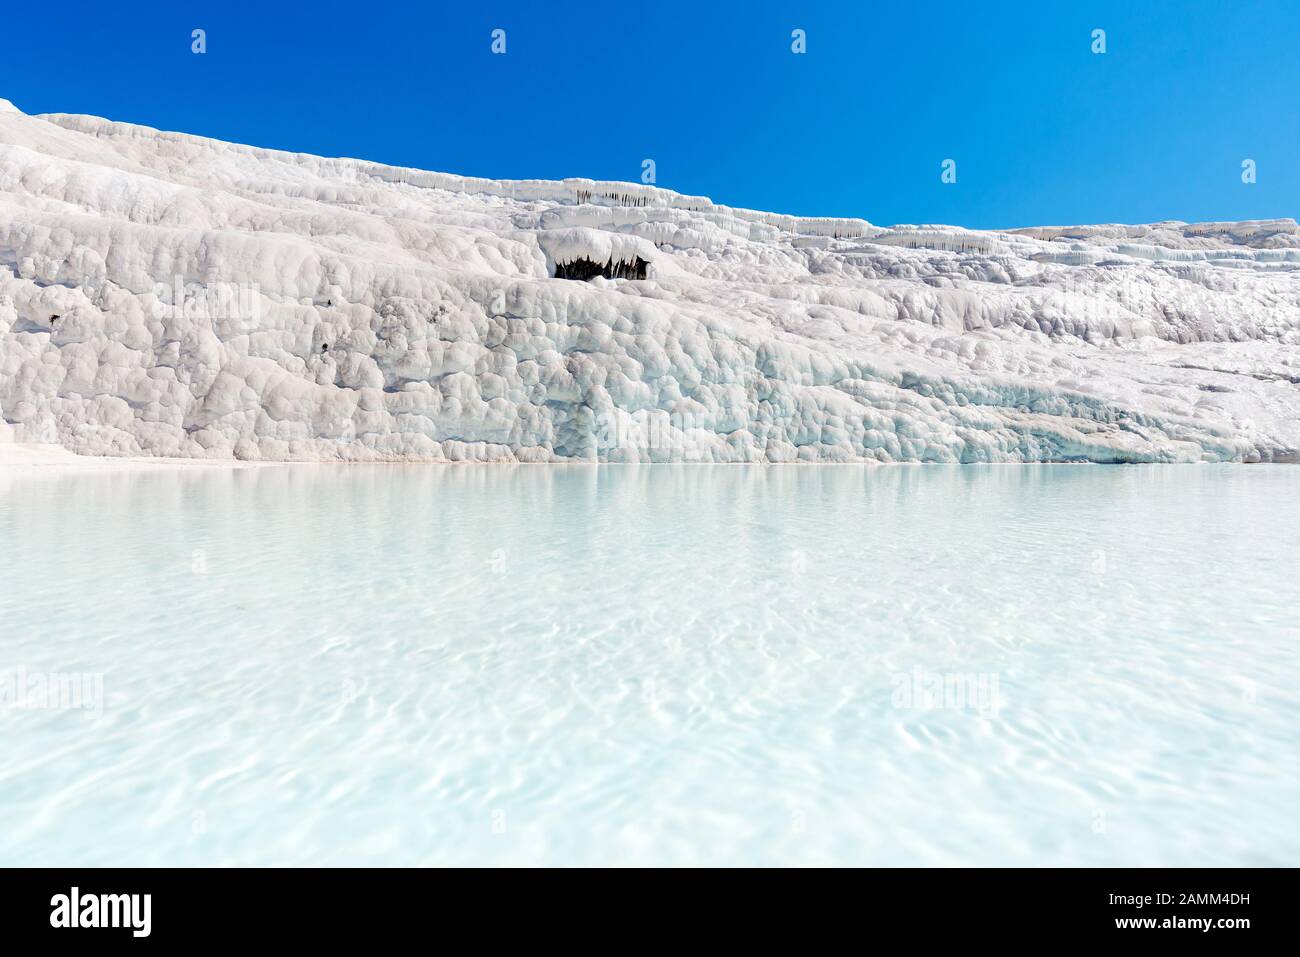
{"points": [[584, 269]]}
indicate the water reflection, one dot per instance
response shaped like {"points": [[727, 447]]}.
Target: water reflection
{"points": [[371, 664]]}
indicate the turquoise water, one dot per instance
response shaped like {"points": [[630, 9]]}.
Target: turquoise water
{"points": [[652, 665]]}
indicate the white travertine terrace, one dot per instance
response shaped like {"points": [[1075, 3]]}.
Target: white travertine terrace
{"points": [[168, 295]]}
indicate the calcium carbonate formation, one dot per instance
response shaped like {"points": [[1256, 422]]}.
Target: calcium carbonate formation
{"points": [[165, 294]]}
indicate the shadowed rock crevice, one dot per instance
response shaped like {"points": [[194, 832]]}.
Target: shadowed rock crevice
{"points": [[584, 269]]}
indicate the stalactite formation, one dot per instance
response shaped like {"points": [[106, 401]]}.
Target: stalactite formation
{"points": [[585, 269], [621, 199]]}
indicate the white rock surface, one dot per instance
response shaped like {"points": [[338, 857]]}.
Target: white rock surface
{"points": [[168, 295]]}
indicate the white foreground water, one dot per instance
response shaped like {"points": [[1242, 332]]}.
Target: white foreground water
{"points": [[651, 665]]}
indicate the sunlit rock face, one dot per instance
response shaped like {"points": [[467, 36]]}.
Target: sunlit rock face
{"points": [[165, 294]]}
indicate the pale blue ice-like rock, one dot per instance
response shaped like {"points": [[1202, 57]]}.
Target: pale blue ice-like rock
{"points": [[169, 295]]}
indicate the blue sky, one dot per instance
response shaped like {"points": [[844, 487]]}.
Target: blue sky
{"points": [[1043, 130]]}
